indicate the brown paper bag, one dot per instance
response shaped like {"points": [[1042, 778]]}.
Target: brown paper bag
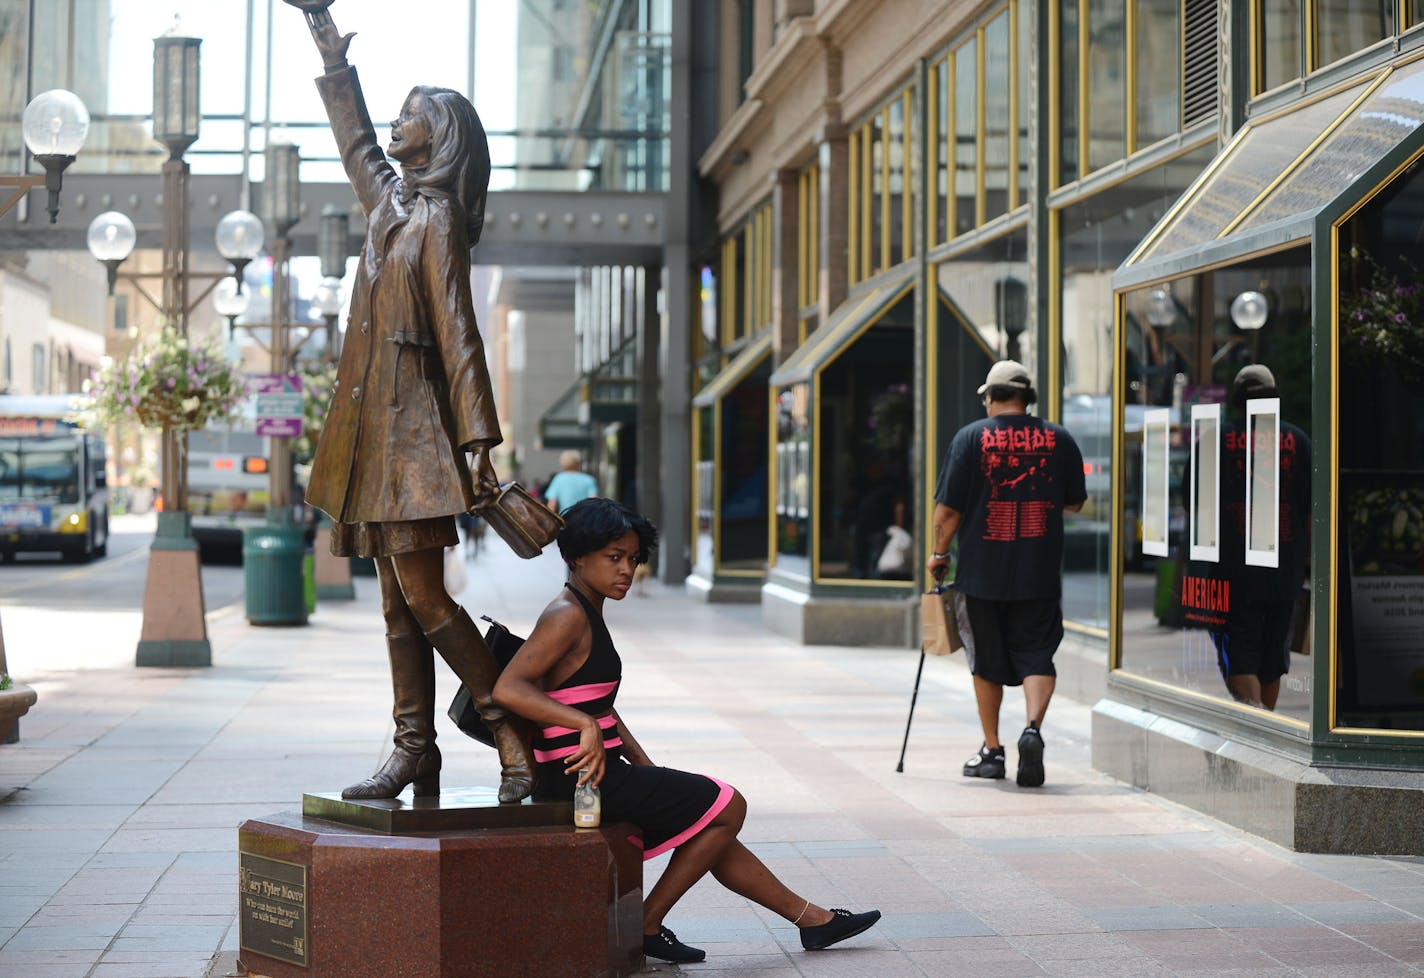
{"points": [[939, 625]]}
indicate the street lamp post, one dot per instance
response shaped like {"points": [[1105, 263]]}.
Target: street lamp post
{"points": [[174, 630], [333, 247], [281, 209], [54, 125], [333, 574], [275, 593]]}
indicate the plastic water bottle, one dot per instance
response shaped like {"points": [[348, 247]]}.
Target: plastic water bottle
{"points": [[588, 805]]}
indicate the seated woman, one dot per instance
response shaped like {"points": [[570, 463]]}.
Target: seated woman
{"points": [[565, 679]]}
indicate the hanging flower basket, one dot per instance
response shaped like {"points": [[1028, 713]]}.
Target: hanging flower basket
{"points": [[168, 381]]}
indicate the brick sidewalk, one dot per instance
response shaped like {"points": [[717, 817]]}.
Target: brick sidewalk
{"points": [[117, 842]]}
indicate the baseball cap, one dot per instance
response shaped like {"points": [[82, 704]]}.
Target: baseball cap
{"points": [[1254, 380], [1007, 373]]}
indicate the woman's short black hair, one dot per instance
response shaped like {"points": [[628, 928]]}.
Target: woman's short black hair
{"points": [[592, 524]]}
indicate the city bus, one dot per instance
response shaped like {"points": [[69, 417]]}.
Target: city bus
{"points": [[227, 482], [54, 492]]}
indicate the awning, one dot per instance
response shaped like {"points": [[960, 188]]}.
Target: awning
{"points": [[609, 392], [850, 319], [735, 372], [560, 427], [1266, 188]]}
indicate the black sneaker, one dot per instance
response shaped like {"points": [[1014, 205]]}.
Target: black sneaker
{"points": [[1030, 758], [842, 924], [988, 763], [665, 946]]}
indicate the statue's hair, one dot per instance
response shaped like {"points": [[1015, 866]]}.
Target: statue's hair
{"points": [[459, 166]]}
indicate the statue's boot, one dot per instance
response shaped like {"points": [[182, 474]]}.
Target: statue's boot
{"points": [[464, 648], [416, 759]]}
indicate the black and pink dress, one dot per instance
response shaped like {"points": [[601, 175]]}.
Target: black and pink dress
{"points": [[670, 806]]}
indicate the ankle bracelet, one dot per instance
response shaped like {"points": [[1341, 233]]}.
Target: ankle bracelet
{"points": [[797, 921]]}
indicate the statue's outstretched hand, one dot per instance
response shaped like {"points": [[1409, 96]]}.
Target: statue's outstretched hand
{"points": [[329, 41]]}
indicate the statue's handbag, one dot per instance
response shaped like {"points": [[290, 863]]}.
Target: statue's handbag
{"points": [[521, 521]]}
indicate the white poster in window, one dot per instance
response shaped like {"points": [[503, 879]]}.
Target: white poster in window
{"points": [[1204, 517], [1156, 471], [1263, 492]]}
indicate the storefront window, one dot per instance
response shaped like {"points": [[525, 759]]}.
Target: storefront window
{"points": [[1107, 83], [704, 430], [865, 427], [742, 534], [1346, 26], [1380, 573], [981, 314], [966, 137], [1278, 32], [1216, 483], [997, 119], [1096, 235], [1067, 147], [793, 478], [1159, 93]]}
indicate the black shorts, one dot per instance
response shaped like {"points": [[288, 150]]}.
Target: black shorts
{"points": [[1254, 643], [1014, 639]]}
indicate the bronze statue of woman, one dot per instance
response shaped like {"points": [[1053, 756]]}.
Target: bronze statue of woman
{"points": [[412, 397]]}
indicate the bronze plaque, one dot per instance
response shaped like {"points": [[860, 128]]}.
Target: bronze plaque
{"points": [[272, 908]]}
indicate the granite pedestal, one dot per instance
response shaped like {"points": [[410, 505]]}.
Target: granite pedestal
{"points": [[455, 886]]}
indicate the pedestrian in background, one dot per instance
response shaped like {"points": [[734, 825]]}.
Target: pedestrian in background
{"points": [[570, 484], [1003, 490]]}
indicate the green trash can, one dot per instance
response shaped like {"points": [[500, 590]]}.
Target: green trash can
{"points": [[272, 559]]}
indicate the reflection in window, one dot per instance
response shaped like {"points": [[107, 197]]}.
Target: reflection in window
{"points": [[704, 430], [1278, 48], [966, 137], [1380, 575], [1107, 83], [981, 315], [742, 469], [1067, 148], [1159, 93], [1216, 619], [1263, 498], [997, 121], [865, 424], [1096, 235], [1204, 511], [793, 477], [1346, 26]]}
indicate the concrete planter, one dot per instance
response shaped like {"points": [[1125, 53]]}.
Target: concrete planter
{"points": [[15, 702]]}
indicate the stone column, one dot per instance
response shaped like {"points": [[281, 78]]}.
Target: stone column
{"points": [[785, 260]]}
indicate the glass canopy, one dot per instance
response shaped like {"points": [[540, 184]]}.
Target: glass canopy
{"points": [[1266, 187]]}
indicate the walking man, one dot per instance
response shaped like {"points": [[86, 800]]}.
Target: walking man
{"points": [[1003, 490]]}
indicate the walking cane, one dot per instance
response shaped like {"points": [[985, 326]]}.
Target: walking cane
{"points": [[900, 768]]}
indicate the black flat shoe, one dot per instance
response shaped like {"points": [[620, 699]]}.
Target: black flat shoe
{"points": [[665, 946], [842, 924]]}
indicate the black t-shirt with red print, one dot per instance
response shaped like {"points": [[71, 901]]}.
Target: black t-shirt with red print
{"points": [[1010, 476]]}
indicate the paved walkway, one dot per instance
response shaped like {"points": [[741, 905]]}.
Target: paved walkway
{"points": [[120, 806]]}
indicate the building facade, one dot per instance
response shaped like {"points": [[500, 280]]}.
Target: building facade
{"points": [[1137, 199]]}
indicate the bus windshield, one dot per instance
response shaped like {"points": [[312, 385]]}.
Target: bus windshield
{"points": [[40, 468]]}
